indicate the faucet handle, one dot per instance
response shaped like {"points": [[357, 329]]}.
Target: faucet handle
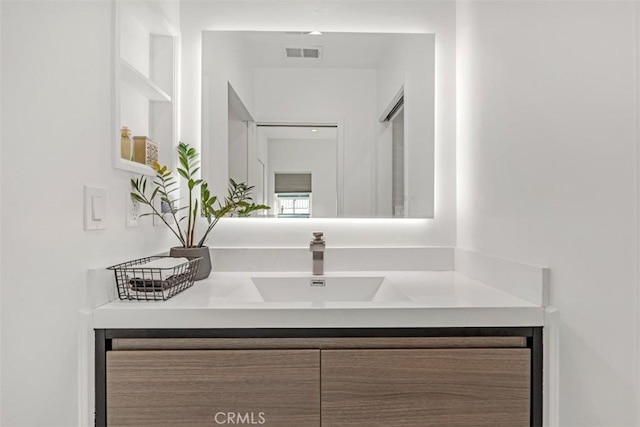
{"points": [[318, 236]]}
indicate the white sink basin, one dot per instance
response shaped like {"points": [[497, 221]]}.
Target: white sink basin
{"points": [[322, 289]]}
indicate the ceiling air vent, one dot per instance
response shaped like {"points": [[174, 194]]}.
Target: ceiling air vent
{"points": [[294, 52], [303, 52], [313, 52]]}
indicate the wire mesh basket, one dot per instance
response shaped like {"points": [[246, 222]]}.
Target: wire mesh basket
{"points": [[137, 282]]}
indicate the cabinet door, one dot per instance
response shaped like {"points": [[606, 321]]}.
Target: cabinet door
{"points": [[173, 388], [443, 387]]}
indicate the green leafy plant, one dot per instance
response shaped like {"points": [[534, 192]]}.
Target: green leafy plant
{"points": [[165, 205]]}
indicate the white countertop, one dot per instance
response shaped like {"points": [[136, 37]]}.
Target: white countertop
{"points": [[436, 299]]}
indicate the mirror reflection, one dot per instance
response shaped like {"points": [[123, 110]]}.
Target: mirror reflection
{"points": [[331, 125], [301, 170]]}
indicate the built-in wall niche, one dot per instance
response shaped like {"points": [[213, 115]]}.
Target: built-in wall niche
{"points": [[146, 47]]}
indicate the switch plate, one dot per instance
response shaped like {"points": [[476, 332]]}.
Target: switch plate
{"points": [[132, 210], [95, 208]]}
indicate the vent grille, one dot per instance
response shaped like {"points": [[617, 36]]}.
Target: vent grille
{"points": [[294, 52], [311, 53], [303, 52]]}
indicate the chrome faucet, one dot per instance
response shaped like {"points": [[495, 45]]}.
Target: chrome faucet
{"points": [[317, 246]]}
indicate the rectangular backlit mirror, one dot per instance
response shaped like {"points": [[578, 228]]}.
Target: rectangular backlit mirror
{"points": [[323, 126]]}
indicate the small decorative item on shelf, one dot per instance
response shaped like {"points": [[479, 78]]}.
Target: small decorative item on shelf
{"points": [[154, 278], [238, 202], [126, 143], [145, 150]]}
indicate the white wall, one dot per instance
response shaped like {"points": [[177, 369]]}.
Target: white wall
{"points": [[57, 134], [436, 17], [1, 186], [335, 95], [232, 66], [259, 165], [547, 166], [237, 146], [409, 64], [317, 156]]}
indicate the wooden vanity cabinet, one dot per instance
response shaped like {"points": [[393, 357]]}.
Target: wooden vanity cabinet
{"points": [[433, 387], [196, 387], [337, 379]]}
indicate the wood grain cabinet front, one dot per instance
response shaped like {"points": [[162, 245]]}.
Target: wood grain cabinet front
{"points": [[213, 387], [329, 381], [426, 387]]}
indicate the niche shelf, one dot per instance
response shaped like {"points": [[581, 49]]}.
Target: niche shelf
{"points": [[145, 81], [139, 82]]}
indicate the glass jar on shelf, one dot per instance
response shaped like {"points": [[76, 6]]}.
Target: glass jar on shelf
{"points": [[126, 143]]}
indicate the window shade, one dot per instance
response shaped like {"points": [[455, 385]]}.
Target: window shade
{"points": [[293, 183]]}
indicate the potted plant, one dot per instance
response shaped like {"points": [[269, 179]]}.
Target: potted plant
{"points": [[182, 221]]}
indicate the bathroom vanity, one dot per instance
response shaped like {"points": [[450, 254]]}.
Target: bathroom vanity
{"points": [[424, 349]]}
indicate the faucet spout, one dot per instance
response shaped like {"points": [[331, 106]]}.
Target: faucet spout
{"points": [[317, 247], [318, 263]]}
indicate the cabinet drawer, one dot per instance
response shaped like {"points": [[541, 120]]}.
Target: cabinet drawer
{"points": [[206, 387], [452, 387]]}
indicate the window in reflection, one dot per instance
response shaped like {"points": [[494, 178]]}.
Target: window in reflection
{"points": [[293, 195], [293, 205]]}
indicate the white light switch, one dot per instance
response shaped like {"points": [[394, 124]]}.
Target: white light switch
{"points": [[95, 208]]}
